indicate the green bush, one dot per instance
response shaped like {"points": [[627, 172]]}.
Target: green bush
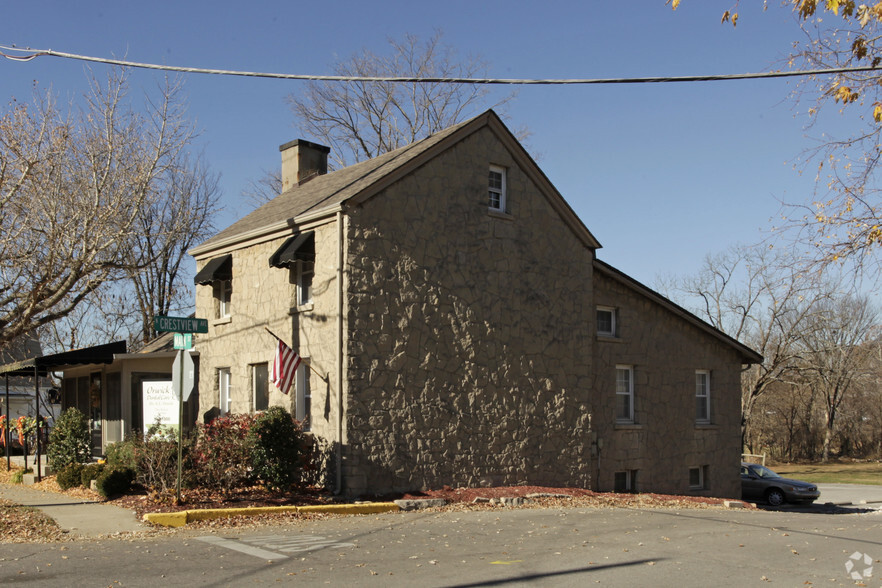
{"points": [[122, 454], [90, 472], [114, 481], [69, 476], [70, 440], [277, 449]]}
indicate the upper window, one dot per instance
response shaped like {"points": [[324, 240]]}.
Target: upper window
{"points": [[224, 390], [624, 394], [303, 406], [305, 272], [218, 272], [224, 295], [496, 188], [702, 397], [606, 321]]}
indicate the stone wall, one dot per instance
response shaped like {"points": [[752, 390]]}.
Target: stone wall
{"points": [[264, 297], [665, 441], [469, 355]]}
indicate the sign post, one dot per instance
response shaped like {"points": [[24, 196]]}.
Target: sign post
{"points": [[182, 370]]}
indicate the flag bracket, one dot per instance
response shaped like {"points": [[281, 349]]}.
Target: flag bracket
{"points": [[324, 378]]}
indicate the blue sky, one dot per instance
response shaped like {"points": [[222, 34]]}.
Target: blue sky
{"points": [[661, 174]]}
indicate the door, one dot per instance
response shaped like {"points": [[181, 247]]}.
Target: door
{"points": [[95, 398]]}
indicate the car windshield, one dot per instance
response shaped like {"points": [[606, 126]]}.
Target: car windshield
{"points": [[763, 472]]}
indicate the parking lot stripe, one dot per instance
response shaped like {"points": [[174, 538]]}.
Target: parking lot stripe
{"points": [[247, 549]]}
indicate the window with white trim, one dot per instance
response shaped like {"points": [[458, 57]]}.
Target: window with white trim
{"points": [[606, 321], [224, 296], [625, 481], [496, 188], [224, 390], [303, 402], [702, 397], [624, 394], [305, 273], [698, 478], [260, 385]]}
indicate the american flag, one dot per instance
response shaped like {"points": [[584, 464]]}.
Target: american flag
{"points": [[284, 367]]}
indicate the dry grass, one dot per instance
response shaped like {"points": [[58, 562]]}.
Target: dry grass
{"points": [[844, 472]]}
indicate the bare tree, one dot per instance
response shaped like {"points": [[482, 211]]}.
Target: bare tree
{"points": [[360, 120], [838, 354], [756, 296], [178, 217], [72, 186]]}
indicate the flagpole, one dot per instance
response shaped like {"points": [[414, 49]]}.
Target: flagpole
{"points": [[323, 378]]}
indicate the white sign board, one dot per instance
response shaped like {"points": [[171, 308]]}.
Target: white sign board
{"points": [[160, 402]]}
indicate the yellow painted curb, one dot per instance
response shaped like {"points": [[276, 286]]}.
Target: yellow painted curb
{"points": [[167, 519], [179, 519]]}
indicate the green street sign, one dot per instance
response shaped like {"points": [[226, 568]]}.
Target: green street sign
{"points": [[183, 340], [178, 324]]}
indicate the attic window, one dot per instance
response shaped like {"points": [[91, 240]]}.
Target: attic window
{"points": [[496, 188]]}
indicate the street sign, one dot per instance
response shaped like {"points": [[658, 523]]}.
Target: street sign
{"points": [[183, 375], [179, 324], [183, 340]]}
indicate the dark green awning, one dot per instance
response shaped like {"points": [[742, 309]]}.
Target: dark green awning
{"points": [[217, 269], [299, 247]]}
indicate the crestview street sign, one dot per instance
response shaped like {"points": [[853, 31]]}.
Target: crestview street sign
{"points": [[178, 324]]}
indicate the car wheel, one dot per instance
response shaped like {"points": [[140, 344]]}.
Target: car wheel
{"points": [[775, 497]]}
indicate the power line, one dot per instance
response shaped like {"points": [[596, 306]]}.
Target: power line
{"points": [[29, 54]]}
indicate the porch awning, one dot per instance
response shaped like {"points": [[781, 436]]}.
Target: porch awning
{"points": [[55, 362], [300, 247], [217, 269]]}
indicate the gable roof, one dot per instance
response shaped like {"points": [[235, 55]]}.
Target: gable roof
{"points": [[748, 355], [326, 194]]}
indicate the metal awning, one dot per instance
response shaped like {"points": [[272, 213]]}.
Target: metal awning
{"points": [[299, 247], [217, 269], [55, 362]]}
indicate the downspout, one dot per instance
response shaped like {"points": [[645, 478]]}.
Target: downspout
{"points": [[37, 421], [339, 457]]}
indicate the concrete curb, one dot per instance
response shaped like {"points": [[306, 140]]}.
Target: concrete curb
{"points": [[181, 518]]}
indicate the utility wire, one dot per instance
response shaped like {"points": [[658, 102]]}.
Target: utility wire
{"points": [[29, 54]]}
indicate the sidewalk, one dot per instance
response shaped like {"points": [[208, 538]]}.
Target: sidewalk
{"points": [[80, 518]]}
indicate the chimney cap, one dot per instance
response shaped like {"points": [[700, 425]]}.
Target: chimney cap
{"points": [[304, 143]]}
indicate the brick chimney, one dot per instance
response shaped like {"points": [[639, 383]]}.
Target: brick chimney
{"points": [[302, 161]]}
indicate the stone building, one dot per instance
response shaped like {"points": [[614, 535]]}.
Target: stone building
{"points": [[457, 328]]}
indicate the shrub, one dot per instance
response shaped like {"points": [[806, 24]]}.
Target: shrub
{"points": [[277, 448], [122, 454], [70, 440], [90, 472], [69, 476], [18, 475], [114, 481], [221, 457]]}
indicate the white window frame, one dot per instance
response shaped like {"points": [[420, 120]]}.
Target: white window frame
{"points": [[625, 391], [702, 477], [630, 481], [224, 298], [497, 196], [702, 397], [304, 291], [254, 372], [225, 398], [613, 326], [303, 400]]}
